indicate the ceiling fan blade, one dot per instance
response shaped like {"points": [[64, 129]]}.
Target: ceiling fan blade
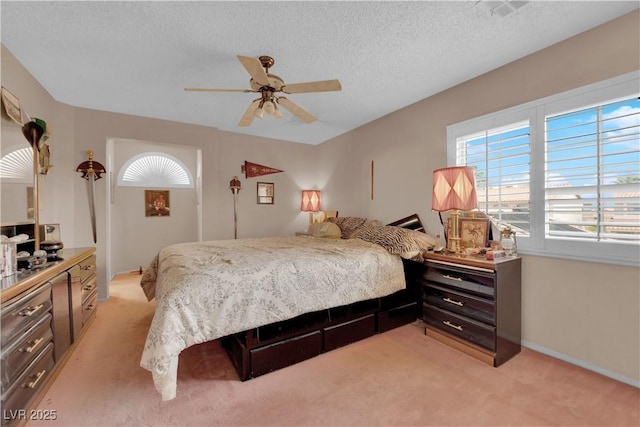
{"points": [[247, 118], [296, 110], [255, 70], [205, 89], [319, 86]]}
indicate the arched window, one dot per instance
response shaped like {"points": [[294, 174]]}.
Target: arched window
{"points": [[17, 166], [155, 170]]}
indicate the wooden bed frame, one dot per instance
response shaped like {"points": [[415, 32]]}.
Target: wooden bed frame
{"points": [[271, 347]]}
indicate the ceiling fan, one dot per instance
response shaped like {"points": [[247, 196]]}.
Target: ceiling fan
{"points": [[268, 85]]}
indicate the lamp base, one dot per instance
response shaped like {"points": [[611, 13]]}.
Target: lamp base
{"points": [[454, 242]]}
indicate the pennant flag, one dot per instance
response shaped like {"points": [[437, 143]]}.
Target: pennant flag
{"points": [[252, 169]]}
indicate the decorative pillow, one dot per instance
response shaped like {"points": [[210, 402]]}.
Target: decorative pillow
{"points": [[324, 229], [400, 241], [348, 224]]}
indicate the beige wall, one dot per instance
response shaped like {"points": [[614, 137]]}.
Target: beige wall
{"points": [[585, 312]]}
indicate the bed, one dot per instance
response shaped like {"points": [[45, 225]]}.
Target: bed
{"points": [[277, 301]]}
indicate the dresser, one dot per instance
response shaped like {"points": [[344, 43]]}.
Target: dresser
{"points": [[43, 316], [474, 304]]}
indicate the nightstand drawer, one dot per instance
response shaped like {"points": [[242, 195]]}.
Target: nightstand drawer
{"points": [[463, 327], [477, 308], [477, 281]]}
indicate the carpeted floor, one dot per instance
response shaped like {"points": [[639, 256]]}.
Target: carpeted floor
{"points": [[397, 378]]}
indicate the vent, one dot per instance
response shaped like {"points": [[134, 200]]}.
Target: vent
{"points": [[502, 8]]}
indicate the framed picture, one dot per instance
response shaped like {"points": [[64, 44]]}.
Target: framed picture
{"points": [[156, 203], [265, 193], [474, 232], [12, 106], [50, 232]]}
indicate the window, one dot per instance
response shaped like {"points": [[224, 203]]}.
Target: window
{"points": [[17, 166], [155, 170], [592, 176], [563, 171], [501, 159]]}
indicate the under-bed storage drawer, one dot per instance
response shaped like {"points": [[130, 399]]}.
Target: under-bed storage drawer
{"points": [[275, 356], [397, 316], [349, 332]]}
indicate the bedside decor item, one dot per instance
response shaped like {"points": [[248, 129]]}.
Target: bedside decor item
{"points": [[266, 192], [251, 170], [454, 190], [310, 203], [91, 171], [157, 203], [508, 241], [474, 232], [234, 186]]}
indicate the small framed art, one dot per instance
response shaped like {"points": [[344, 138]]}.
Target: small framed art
{"points": [[156, 203], [474, 232], [265, 193]]}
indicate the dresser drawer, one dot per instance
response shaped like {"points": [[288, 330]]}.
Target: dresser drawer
{"points": [[460, 326], [24, 312], [89, 307], [476, 281], [88, 288], [87, 268], [24, 349], [481, 309], [22, 391]]}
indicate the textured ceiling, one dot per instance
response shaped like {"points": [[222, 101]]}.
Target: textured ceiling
{"points": [[137, 57]]}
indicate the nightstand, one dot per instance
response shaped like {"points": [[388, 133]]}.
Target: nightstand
{"points": [[473, 304]]}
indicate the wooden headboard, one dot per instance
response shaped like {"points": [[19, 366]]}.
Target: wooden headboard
{"points": [[412, 222]]}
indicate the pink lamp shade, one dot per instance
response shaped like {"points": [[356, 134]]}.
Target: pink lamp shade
{"points": [[310, 201], [454, 188]]}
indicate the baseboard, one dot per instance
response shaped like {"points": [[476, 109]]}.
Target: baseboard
{"points": [[589, 366]]}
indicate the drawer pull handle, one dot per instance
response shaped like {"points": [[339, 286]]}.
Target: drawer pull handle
{"points": [[451, 301], [451, 325], [32, 345], [87, 267], [28, 312], [88, 288], [35, 381], [90, 307], [446, 276]]}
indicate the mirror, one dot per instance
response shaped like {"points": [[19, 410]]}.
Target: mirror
{"points": [[16, 175]]}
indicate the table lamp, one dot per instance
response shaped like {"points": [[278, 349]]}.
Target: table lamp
{"points": [[454, 190], [310, 203]]}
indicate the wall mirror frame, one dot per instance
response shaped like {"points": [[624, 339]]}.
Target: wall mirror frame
{"points": [[19, 182]]}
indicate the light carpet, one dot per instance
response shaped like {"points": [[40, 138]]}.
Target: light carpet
{"points": [[397, 378]]}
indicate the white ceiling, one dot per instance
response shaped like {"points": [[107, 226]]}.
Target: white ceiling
{"points": [[137, 57]]}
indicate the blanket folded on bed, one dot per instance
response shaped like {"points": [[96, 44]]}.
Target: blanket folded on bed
{"points": [[207, 290]]}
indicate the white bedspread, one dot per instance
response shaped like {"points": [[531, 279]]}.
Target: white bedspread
{"points": [[207, 290]]}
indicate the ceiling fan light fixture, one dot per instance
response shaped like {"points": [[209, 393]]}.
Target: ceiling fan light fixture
{"points": [[269, 107], [277, 114], [258, 112]]}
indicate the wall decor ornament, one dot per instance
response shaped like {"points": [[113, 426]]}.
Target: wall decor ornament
{"points": [[157, 203], [91, 171], [265, 192], [251, 170], [12, 106]]}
